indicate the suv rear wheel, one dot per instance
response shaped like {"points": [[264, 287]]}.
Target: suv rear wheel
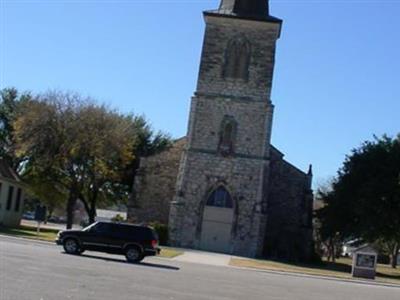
{"points": [[133, 254], [71, 246]]}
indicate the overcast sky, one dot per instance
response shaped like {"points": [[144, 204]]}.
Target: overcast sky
{"points": [[336, 81]]}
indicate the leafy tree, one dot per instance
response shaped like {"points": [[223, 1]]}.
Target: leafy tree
{"points": [[331, 226], [79, 147], [365, 199], [10, 100], [43, 190], [105, 143]]}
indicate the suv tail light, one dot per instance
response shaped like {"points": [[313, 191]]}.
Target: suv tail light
{"points": [[154, 243]]}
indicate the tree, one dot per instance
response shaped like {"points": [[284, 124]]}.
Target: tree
{"points": [[332, 225], [10, 100], [365, 198], [79, 147], [105, 143], [42, 189]]}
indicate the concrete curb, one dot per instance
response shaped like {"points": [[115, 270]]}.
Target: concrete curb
{"points": [[331, 278]]}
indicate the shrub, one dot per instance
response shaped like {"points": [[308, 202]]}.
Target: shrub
{"points": [[117, 218], [162, 231]]}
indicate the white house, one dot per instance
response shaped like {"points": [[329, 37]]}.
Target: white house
{"points": [[104, 215], [11, 196]]}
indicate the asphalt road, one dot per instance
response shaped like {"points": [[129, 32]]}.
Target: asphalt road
{"points": [[35, 271]]}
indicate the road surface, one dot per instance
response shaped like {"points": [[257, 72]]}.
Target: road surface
{"points": [[37, 271]]}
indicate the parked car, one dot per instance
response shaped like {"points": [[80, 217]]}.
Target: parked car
{"points": [[133, 241], [28, 215], [53, 219], [349, 247]]}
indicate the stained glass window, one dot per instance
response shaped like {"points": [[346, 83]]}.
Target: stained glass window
{"points": [[220, 198]]}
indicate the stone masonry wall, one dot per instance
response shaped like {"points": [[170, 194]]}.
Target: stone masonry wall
{"points": [[262, 37], [289, 210], [155, 185], [204, 172], [247, 102], [287, 228]]}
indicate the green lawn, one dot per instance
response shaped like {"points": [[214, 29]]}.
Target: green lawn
{"points": [[49, 235], [30, 233], [169, 252], [340, 269]]}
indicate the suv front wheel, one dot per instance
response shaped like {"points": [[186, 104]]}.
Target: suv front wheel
{"points": [[133, 254], [71, 246]]}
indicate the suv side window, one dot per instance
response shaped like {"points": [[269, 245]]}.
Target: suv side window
{"points": [[122, 231], [103, 228], [135, 232]]}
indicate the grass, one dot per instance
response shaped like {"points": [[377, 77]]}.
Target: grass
{"points": [[169, 252], [340, 269], [30, 233], [50, 235]]}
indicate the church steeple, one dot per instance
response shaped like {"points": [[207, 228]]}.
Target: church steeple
{"points": [[258, 9]]}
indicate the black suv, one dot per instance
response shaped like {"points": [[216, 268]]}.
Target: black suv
{"points": [[135, 242]]}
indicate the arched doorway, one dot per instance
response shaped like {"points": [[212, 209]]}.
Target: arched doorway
{"points": [[217, 221]]}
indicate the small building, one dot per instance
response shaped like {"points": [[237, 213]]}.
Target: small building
{"points": [[11, 196], [104, 215], [364, 262]]}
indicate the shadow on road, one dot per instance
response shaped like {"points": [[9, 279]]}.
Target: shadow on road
{"points": [[142, 264]]}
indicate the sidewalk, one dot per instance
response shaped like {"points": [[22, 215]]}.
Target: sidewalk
{"points": [[202, 257]]}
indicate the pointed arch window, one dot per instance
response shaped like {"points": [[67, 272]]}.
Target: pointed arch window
{"points": [[220, 197], [227, 135], [237, 59]]}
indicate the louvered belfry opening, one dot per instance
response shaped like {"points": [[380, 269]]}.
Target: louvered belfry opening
{"points": [[245, 8]]}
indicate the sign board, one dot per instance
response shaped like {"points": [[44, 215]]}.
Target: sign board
{"points": [[364, 262], [40, 213]]}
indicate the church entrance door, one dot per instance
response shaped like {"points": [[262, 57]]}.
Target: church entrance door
{"points": [[217, 222]]}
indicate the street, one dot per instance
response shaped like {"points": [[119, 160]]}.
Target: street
{"points": [[39, 271]]}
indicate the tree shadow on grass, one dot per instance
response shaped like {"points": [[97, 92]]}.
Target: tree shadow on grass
{"points": [[142, 264], [344, 268], [335, 266], [328, 266], [388, 276]]}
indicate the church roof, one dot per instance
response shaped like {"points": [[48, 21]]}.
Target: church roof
{"points": [[7, 172], [367, 248], [245, 9]]}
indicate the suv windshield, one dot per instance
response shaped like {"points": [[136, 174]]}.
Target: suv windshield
{"points": [[89, 227]]}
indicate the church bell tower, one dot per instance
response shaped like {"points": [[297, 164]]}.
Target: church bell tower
{"points": [[220, 192]]}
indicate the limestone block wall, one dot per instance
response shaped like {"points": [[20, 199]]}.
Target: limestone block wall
{"points": [[219, 32], [253, 124], [289, 210], [155, 185], [203, 172], [283, 212]]}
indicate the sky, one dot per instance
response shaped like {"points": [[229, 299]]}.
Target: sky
{"points": [[336, 81]]}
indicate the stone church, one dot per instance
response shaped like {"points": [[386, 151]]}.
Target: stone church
{"points": [[224, 187]]}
